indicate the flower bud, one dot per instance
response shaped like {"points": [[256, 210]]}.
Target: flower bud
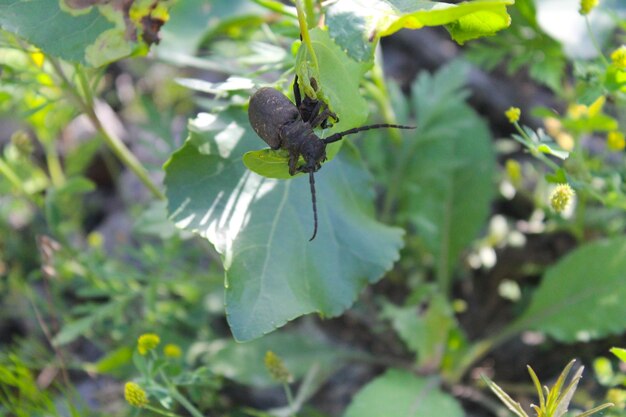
{"points": [[561, 197], [135, 395]]}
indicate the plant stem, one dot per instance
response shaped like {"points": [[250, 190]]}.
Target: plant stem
{"points": [[158, 411], [276, 6], [594, 41], [54, 165], [304, 32], [289, 396], [481, 348], [179, 397], [112, 141], [310, 13], [528, 143], [381, 95]]}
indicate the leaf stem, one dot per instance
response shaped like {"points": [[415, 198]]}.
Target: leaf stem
{"points": [[304, 31], [112, 141]]}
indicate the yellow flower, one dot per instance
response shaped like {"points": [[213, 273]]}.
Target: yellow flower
{"points": [[172, 351], [513, 114], [561, 197], [147, 342], [615, 141], [618, 57], [135, 395], [276, 367], [587, 5]]}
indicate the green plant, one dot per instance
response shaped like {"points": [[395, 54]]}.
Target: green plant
{"points": [[553, 402], [406, 205]]}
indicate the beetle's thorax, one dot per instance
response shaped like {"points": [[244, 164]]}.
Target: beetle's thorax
{"points": [[298, 138]]}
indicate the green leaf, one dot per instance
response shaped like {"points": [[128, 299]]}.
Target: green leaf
{"points": [[449, 180], [581, 297], [244, 362], [620, 353], [269, 163], [402, 394], [599, 122], [112, 361], [94, 35], [510, 403], [356, 25], [194, 21], [545, 148], [261, 227], [426, 333]]}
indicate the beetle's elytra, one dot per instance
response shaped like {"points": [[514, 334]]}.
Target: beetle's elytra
{"points": [[283, 125]]}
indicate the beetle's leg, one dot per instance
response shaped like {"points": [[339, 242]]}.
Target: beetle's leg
{"points": [[322, 117], [296, 93], [293, 161], [315, 111]]}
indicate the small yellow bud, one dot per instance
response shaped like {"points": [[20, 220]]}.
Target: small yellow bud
{"points": [[95, 239], [615, 141], [135, 395], [561, 197], [618, 57], [577, 111], [276, 367], [172, 351], [513, 114], [586, 6], [147, 342], [514, 171]]}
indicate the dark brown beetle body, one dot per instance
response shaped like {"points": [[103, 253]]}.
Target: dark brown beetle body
{"points": [[283, 125], [278, 122]]}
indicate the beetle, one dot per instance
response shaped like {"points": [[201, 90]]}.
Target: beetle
{"points": [[283, 125]]}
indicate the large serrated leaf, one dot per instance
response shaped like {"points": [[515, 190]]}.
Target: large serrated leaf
{"points": [[356, 25], [582, 296], [450, 178], [402, 394], [94, 35], [261, 227]]}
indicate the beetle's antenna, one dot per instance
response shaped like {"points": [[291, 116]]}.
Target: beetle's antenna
{"points": [[312, 182], [337, 136]]}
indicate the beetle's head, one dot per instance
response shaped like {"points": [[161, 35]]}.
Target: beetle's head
{"points": [[314, 153]]}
